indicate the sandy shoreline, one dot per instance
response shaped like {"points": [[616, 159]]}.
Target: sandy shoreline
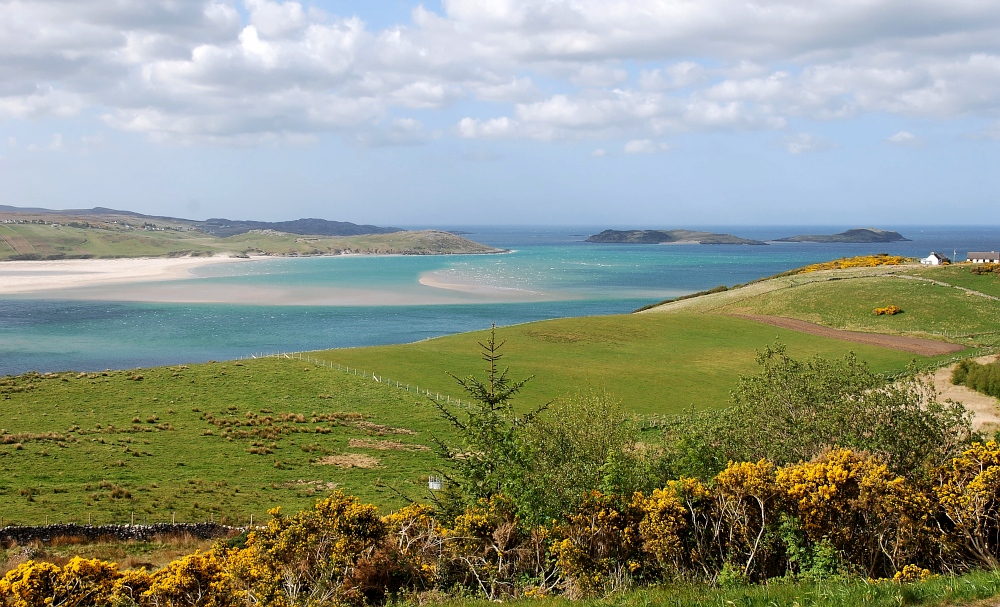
{"points": [[172, 280], [28, 277]]}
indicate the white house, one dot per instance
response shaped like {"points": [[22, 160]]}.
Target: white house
{"points": [[934, 259], [983, 257]]}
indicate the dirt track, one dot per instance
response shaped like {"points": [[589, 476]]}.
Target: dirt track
{"points": [[924, 347]]}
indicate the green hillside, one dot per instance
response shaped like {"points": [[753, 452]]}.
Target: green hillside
{"points": [[20, 241], [947, 303], [657, 364]]}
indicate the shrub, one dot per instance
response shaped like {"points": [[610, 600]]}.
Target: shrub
{"points": [[979, 377], [985, 268], [863, 261], [887, 311], [804, 407]]}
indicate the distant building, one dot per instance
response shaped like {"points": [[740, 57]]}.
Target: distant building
{"points": [[934, 259], [983, 257]]}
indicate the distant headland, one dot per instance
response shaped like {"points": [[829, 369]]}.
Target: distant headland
{"points": [[668, 237], [860, 235], [101, 233]]}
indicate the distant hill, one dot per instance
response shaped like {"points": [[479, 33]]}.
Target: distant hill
{"points": [[861, 235], [39, 234], [668, 236], [220, 226]]}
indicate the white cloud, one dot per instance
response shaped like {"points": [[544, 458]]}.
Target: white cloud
{"points": [[202, 71], [800, 143], [495, 128], [645, 146], [599, 153], [904, 138], [56, 144]]}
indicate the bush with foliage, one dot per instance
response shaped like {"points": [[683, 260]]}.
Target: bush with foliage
{"points": [[861, 261], [793, 410], [985, 268], [887, 311], [979, 377]]}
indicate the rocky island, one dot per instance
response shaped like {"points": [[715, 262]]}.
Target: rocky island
{"points": [[859, 235], [668, 237]]}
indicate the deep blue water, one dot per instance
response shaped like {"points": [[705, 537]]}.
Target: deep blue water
{"points": [[51, 335]]}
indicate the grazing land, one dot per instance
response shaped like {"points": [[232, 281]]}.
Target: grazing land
{"points": [[946, 303], [215, 441], [656, 364]]}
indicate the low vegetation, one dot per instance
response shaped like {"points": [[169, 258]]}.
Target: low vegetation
{"points": [[984, 378], [887, 311], [861, 261]]}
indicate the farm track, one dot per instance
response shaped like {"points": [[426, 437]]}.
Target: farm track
{"points": [[916, 345]]}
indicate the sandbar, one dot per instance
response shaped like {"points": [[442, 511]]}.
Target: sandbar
{"points": [[173, 280], [437, 281], [39, 277]]}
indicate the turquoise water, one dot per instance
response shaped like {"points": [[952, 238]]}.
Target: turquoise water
{"points": [[550, 272]]}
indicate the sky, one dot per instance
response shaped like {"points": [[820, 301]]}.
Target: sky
{"points": [[642, 113]]}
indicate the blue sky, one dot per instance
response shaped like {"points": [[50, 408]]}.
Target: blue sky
{"points": [[659, 113]]}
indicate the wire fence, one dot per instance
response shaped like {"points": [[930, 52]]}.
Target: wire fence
{"points": [[356, 371]]}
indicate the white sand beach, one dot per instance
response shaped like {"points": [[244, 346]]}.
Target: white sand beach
{"points": [[172, 280], [31, 277]]}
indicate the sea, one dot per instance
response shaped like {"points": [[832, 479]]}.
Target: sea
{"points": [[550, 272]]}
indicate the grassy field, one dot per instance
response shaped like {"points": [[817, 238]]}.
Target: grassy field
{"points": [[218, 440], [655, 363], [844, 299], [968, 589], [46, 241]]}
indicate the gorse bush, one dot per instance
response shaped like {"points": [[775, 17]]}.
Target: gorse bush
{"points": [[887, 311], [979, 377], [844, 512], [985, 268], [862, 261]]}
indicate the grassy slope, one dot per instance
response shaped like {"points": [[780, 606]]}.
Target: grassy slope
{"points": [[657, 364], [844, 299], [47, 240], [168, 463]]}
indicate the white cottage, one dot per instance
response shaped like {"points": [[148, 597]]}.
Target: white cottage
{"points": [[983, 257], [934, 259]]}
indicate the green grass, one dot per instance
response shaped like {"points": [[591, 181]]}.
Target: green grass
{"points": [[104, 446], [655, 363], [970, 588], [929, 310], [960, 276]]}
